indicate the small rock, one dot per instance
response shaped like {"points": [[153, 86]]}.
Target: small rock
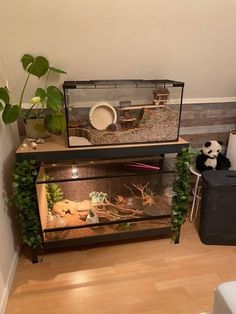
{"points": [[34, 145], [92, 218], [50, 217], [40, 141], [30, 139], [24, 146], [111, 127]]}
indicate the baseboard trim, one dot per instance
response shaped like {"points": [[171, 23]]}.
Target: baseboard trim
{"points": [[4, 298]]}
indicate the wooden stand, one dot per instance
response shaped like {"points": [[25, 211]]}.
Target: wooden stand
{"points": [[55, 149]]}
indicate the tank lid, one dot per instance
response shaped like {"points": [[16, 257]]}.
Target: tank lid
{"points": [[220, 177]]}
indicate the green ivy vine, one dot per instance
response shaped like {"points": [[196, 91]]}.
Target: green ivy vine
{"points": [[181, 189], [25, 199]]}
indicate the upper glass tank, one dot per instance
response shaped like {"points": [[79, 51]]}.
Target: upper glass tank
{"points": [[117, 112]]}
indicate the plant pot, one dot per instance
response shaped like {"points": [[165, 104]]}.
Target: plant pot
{"points": [[35, 128]]}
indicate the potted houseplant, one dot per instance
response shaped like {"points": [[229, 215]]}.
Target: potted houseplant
{"points": [[45, 113]]}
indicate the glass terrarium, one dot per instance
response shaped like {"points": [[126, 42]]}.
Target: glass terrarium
{"points": [[118, 112], [79, 200]]}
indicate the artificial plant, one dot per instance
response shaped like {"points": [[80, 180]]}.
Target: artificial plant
{"points": [[53, 193], [46, 97], [181, 189], [25, 199]]}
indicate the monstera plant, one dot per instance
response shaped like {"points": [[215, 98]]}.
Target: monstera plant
{"points": [[46, 103]]}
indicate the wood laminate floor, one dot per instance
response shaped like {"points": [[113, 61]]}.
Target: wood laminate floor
{"points": [[148, 277]]}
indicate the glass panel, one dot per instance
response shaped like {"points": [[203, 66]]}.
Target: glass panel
{"points": [[82, 170], [109, 229], [116, 112], [102, 201]]}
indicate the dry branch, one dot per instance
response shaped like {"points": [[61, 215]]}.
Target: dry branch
{"points": [[141, 189]]}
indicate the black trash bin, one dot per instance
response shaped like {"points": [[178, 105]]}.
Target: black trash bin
{"points": [[218, 208]]}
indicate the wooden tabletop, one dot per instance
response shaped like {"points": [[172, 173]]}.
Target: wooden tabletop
{"points": [[56, 148]]}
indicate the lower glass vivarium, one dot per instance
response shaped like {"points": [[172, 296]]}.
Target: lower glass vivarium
{"points": [[95, 203], [126, 211]]}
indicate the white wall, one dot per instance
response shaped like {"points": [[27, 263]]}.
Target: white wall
{"points": [[192, 41], [8, 250]]}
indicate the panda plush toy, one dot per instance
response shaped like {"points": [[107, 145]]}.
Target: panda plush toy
{"points": [[210, 157]]}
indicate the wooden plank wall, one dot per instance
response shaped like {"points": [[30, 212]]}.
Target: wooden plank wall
{"points": [[202, 122]]}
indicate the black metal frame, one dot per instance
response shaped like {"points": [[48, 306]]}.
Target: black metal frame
{"points": [[101, 153], [105, 238], [99, 84]]}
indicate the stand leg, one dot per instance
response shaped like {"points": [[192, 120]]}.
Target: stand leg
{"points": [[36, 256], [35, 259]]}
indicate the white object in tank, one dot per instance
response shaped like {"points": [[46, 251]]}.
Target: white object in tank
{"points": [[92, 218], [101, 115]]}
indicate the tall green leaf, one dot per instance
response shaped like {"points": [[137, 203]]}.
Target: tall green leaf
{"points": [[10, 113], [4, 95], [56, 123], [26, 60], [40, 92], [36, 66], [57, 70], [39, 67], [54, 98]]}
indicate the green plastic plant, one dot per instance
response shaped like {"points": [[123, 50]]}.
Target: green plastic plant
{"points": [[181, 189], [47, 97], [25, 199], [98, 197], [53, 193]]}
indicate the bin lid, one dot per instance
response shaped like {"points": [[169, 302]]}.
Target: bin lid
{"points": [[220, 177]]}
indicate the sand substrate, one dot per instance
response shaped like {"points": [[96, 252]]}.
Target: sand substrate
{"points": [[156, 126], [111, 229], [78, 218]]}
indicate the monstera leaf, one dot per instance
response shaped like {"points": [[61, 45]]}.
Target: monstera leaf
{"points": [[36, 66], [40, 92], [57, 70], [4, 98], [10, 113], [55, 123], [54, 98]]}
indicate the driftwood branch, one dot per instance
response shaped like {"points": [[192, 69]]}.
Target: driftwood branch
{"points": [[145, 193], [141, 189], [129, 188], [123, 209]]}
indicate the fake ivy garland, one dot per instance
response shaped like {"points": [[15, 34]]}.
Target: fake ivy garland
{"points": [[25, 199], [181, 189]]}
